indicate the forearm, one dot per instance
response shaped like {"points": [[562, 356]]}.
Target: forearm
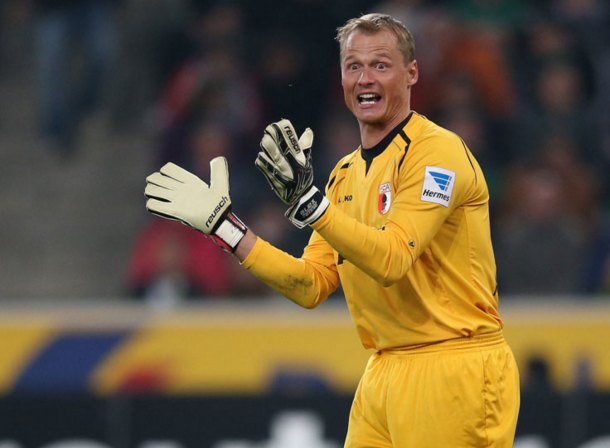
{"points": [[295, 278], [383, 255]]}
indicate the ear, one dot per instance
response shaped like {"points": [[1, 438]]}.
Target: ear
{"points": [[412, 73]]}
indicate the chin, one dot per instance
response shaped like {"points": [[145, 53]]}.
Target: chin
{"points": [[370, 119]]}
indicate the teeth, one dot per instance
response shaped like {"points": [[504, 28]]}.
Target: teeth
{"points": [[368, 98]]}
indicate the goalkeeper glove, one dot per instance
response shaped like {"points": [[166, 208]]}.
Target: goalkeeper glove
{"points": [[174, 193], [286, 164]]}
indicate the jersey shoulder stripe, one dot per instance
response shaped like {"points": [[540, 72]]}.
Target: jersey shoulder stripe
{"points": [[332, 180], [470, 160], [408, 143], [427, 129], [343, 164]]}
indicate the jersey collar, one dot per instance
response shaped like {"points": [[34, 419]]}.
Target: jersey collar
{"points": [[369, 154]]}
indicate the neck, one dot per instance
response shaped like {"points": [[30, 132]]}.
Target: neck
{"points": [[373, 133]]}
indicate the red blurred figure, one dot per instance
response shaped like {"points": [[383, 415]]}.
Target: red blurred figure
{"points": [[170, 263]]}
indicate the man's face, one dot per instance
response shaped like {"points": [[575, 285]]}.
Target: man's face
{"points": [[375, 79]]}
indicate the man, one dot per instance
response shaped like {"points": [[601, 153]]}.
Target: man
{"points": [[404, 227]]}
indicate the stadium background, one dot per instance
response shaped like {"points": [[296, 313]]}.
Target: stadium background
{"points": [[120, 330]]}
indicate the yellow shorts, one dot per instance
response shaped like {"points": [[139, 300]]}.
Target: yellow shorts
{"points": [[454, 394]]}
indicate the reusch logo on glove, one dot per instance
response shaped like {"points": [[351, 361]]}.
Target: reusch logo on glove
{"points": [[218, 208], [293, 140]]}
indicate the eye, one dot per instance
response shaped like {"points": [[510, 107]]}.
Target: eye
{"points": [[382, 65], [353, 66]]}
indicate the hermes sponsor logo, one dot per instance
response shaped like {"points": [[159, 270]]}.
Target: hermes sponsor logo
{"points": [[438, 185]]}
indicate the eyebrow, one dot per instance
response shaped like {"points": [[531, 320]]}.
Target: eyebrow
{"points": [[379, 54]]}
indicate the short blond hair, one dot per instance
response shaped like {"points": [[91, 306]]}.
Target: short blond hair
{"points": [[372, 24]]}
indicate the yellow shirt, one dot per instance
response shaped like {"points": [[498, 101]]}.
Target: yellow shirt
{"points": [[407, 235]]}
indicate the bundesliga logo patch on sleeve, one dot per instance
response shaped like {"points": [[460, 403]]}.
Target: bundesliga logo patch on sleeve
{"points": [[438, 185]]}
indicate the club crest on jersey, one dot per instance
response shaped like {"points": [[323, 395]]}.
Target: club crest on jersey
{"points": [[438, 185], [385, 198]]}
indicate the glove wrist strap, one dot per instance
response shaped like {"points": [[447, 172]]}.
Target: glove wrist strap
{"points": [[308, 209], [229, 232]]}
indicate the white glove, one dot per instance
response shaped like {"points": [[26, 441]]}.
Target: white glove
{"points": [[174, 193], [286, 164]]}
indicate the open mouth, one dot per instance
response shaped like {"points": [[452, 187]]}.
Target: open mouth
{"points": [[368, 98]]}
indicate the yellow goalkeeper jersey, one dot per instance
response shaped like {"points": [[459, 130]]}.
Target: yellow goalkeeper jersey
{"points": [[407, 235]]}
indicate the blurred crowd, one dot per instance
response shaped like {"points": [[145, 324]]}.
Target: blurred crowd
{"points": [[525, 84]]}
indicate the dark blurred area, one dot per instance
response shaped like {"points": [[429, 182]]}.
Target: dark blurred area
{"points": [[98, 94]]}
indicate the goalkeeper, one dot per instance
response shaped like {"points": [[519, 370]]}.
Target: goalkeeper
{"points": [[403, 225]]}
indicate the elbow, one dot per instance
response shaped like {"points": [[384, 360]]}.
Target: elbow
{"points": [[310, 305], [396, 262], [315, 301], [389, 280], [393, 272], [386, 278]]}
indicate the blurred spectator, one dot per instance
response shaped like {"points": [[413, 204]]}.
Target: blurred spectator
{"points": [[212, 106], [195, 142], [588, 19], [471, 51], [287, 81], [547, 43], [552, 209], [209, 139], [478, 53], [171, 263], [540, 242], [589, 22], [491, 27], [559, 108], [503, 16], [155, 40], [213, 84], [75, 44], [298, 66], [578, 179]]}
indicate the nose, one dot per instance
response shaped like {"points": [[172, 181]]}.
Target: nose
{"points": [[365, 77]]}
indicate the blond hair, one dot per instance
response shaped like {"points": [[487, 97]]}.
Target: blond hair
{"points": [[372, 24]]}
